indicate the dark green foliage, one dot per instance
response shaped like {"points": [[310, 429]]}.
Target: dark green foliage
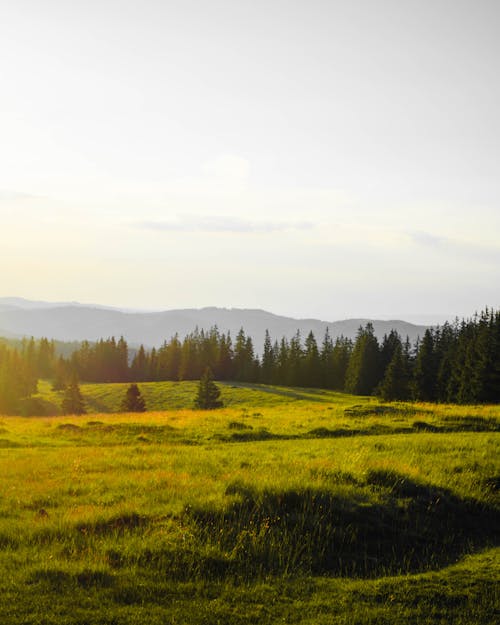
{"points": [[208, 394], [61, 374], [341, 356], [104, 361], [395, 385], [426, 368], [364, 372], [72, 402], [312, 370], [390, 343], [460, 362], [268, 361], [133, 401], [457, 362], [138, 368], [244, 359]]}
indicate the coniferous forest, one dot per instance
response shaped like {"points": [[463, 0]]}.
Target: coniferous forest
{"points": [[457, 362]]}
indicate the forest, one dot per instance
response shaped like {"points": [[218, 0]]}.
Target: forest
{"points": [[457, 362]]}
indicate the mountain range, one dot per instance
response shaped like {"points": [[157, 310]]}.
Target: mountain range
{"points": [[76, 322]]}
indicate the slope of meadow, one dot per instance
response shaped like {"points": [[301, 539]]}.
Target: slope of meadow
{"points": [[290, 506]]}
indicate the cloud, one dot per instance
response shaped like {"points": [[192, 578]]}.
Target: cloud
{"points": [[222, 224], [471, 250], [6, 195], [427, 239]]}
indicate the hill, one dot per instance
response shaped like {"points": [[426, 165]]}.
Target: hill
{"points": [[77, 322], [285, 506]]}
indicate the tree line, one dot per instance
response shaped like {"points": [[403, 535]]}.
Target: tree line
{"points": [[456, 362]]}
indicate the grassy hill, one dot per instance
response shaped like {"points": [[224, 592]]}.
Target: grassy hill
{"points": [[285, 506]]}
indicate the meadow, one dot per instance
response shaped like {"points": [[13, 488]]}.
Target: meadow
{"points": [[285, 506]]}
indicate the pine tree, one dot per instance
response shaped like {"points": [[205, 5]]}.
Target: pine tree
{"points": [[72, 402], [363, 372], [268, 363], [327, 366], [225, 358], [208, 394], [425, 372], [295, 361], [312, 370], [134, 401], [138, 369], [395, 385], [341, 356], [61, 375], [390, 343]]}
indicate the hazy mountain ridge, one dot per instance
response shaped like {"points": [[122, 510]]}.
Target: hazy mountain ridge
{"points": [[77, 322]]}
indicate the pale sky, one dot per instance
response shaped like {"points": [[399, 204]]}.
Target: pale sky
{"points": [[313, 158]]}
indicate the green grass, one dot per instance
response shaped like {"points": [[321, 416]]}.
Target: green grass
{"points": [[286, 506], [179, 395]]}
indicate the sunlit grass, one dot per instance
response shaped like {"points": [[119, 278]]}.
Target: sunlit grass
{"points": [[291, 510]]}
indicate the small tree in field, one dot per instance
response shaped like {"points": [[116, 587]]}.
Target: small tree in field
{"points": [[72, 402], [134, 401], [208, 392]]}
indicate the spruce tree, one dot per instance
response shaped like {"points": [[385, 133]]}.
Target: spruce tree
{"points": [[133, 401], [326, 357], [72, 402], [138, 369], [425, 371], [363, 372], [395, 385], [208, 394], [312, 370], [341, 356], [268, 363]]}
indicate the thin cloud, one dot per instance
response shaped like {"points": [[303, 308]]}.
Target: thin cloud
{"points": [[221, 224], [472, 250], [7, 195], [427, 239]]}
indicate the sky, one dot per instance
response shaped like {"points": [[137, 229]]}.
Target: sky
{"points": [[326, 159]]}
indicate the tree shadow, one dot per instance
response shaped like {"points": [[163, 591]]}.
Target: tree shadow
{"points": [[392, 525]]}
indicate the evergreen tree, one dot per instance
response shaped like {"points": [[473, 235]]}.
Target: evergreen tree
{"points": [[341, 356], [268, 363], [425, 372], [152, 369], [244, 364], [326, 356], [390, 343], [45, 358], [363, 372], [225, 358], [61, 375], [208, 393], [72, 402], [446, 338], [138, 369], [121, 370], [395, 385], [312, 370], [295, 361], [133, 401], [189, 366]]}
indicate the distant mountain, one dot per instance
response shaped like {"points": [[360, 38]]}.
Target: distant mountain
{"points": [[77, 322]]}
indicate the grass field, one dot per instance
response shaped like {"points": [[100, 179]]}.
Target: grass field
{"points": [[285, 506]]}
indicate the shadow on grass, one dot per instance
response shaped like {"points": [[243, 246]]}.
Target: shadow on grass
{"points": [[309, 394], [394, 526], [58, 580], [115, 525]]}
